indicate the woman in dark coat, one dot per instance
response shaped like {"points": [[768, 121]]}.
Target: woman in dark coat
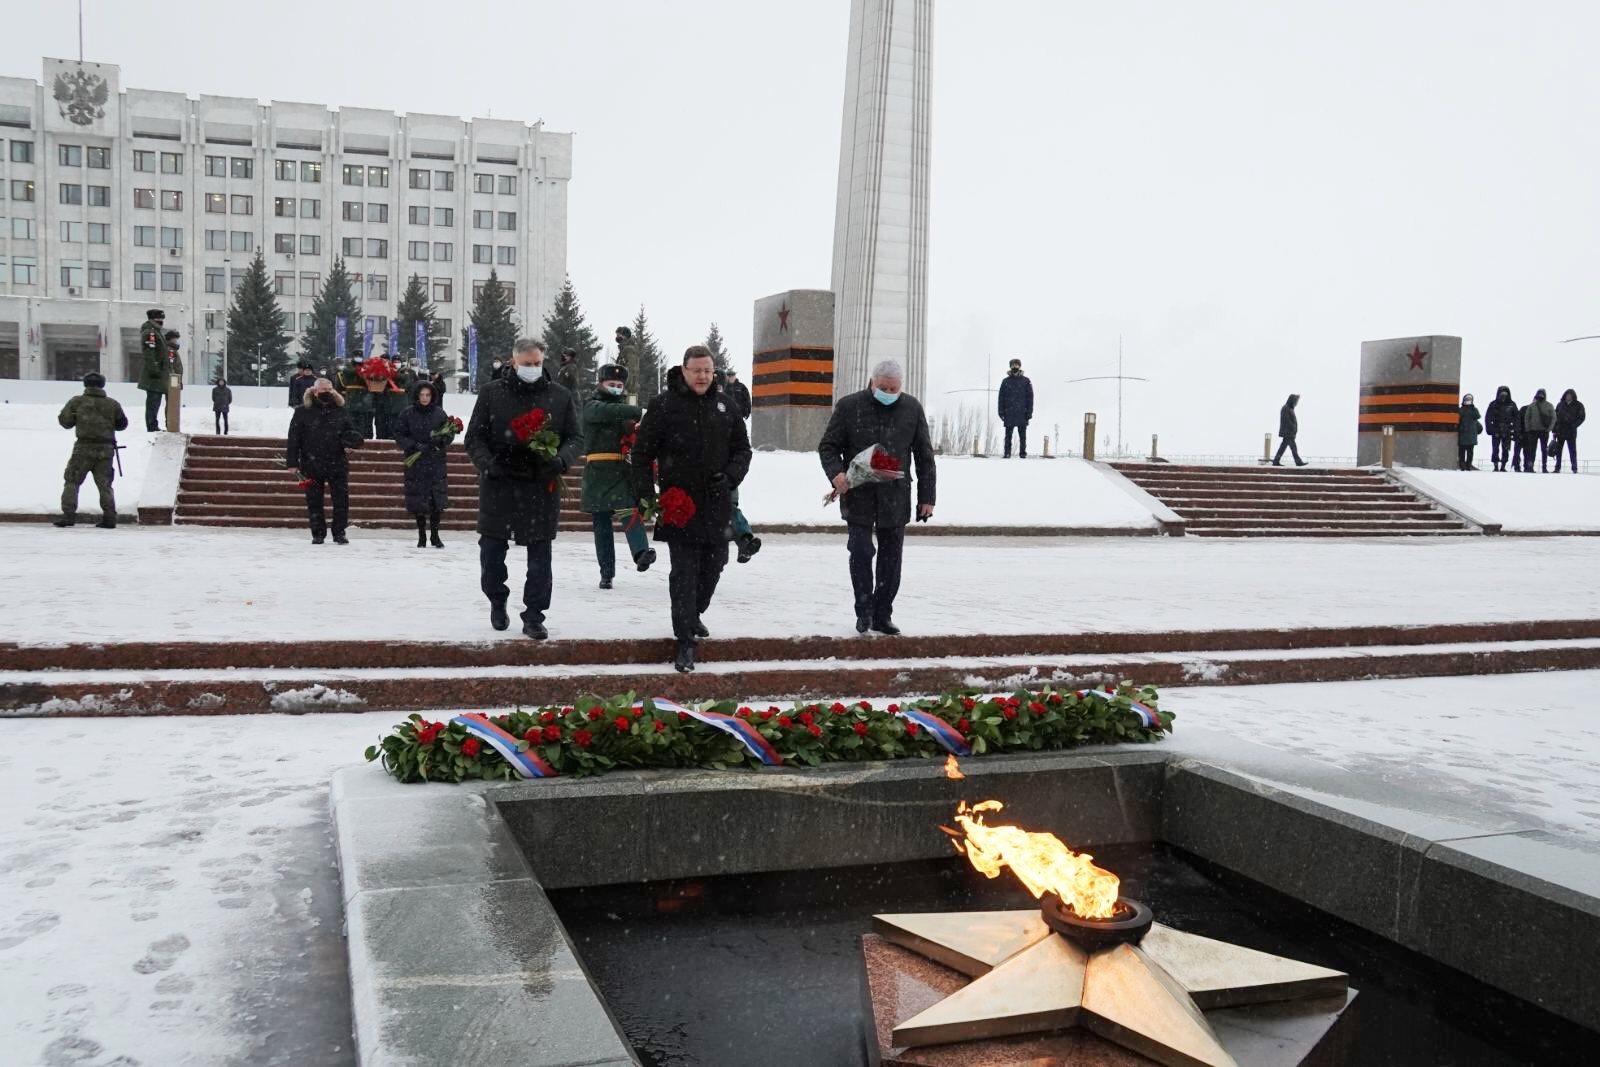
{"points": [[427, 488], [1569, 416], [222, 401], [1469, 426]]}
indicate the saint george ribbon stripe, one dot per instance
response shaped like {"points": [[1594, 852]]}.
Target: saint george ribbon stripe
{"points": [[525, 762], [1149, 718], [938, 729], [746, 734]]}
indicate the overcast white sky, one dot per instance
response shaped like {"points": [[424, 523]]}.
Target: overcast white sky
{"points": [[1243, 190]]}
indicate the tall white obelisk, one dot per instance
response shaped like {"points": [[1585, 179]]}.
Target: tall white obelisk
{"points": [[880, 229]]}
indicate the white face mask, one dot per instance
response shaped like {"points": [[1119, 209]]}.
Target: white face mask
{"points": [[614, 390], [530, 374]]}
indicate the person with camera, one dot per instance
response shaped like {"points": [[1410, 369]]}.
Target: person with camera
{"points": [[321, 435], [95, 418], [519, 490], [694, 442], [881, 415]]}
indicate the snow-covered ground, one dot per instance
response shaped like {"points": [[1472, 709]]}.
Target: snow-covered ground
{"points": [[171, 896], [201, 584], [1530, 502]]}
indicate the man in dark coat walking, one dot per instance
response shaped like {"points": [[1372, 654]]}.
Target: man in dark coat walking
{"points": [[427, 476], [1500, 421], [153, 368], [880, 415], [692, 439], [1016, 407], [1569, 416], [519, 492], [320, 436], [95, 419], [1289, 429]]}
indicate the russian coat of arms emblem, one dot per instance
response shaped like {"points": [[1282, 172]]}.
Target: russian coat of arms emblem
{"points": [[82, 96]]}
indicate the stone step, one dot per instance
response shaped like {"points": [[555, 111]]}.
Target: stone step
{"points": [[1265, 488], [454, 519], [1338, 522], [1267, 516], [1278, 531], [1192, 505], [1260, 470]]}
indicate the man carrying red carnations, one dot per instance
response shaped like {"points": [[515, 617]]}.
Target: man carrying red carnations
{"points": [[523, 436], [693, 442]]}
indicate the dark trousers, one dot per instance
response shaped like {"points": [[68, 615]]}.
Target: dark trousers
{"points": [[1022, 439], [1570, 439], [1464, 456], [361, 417], [152, 410], [875, 592], [605, 547], [221, 419], [535, 584], [696, 566], [1287, 443], [1534, 444], [338, 488], [1500, 450]]}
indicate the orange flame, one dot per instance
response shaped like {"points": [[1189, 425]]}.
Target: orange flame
{"points": [[952, 769], [1039, 860]]}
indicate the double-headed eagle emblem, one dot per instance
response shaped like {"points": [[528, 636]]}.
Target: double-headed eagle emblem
{"points": [[82, 97]]}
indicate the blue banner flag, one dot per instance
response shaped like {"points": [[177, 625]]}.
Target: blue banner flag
{"points": [[422, 344], [394, 338], [340, 328], [472, 356], [366, 336]]}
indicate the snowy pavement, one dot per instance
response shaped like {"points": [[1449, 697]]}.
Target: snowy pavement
{"points": [[172, 896], [199, 584], [1519, 502]]}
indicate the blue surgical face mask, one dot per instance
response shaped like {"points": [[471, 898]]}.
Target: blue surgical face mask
{"points": [[614, 390], [530, 374], [884, 398]]}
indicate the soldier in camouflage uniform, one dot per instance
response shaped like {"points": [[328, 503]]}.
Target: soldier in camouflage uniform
{"points": [[153, 371], [96, 418]]}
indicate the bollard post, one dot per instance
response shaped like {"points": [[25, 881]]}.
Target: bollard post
{"points": [[975, 451], [174, 412], [1047, 448], [1388, 447], [1154, 451], [1088, 435], [1266, 449]]}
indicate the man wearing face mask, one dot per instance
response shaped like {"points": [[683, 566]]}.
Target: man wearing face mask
{"points": [[320, 435], [609, 423], [518, 490], [879, 415]]}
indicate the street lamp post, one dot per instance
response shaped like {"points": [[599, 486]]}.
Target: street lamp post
{"points": [[1119, 378]]}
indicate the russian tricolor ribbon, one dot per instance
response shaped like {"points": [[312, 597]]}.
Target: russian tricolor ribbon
{"points": [[938, 729], [1146, 715], [740, 729], [526, 762]]}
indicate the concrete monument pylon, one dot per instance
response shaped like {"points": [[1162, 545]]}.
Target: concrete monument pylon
{"points": [[880, 229]]}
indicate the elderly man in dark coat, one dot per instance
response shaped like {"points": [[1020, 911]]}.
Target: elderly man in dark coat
{"points": [[519, 495], [427, 482], [320, 435], [693, 440], [879, 415]]}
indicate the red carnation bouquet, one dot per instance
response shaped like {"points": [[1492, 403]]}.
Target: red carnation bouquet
{"points": [[675, 508], [305, 483], [376, 369], [629, 438], [446, 433], [868, 467], [531, 429]]}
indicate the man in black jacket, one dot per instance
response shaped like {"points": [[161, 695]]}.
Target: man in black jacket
{"points": [[1503, 426], [1289, 429], [693, 440], [320, 435], [519, 496], [880, 415], [302, 380], [1016, 407], [738, 392]]}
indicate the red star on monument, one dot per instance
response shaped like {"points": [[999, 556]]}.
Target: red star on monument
{"points": [[1416, 356], [783, 317]]}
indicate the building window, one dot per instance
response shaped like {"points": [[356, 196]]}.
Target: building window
{"points": [[282, 169], [22, 151], [444, 326], [352, 210], [506, 255], [283, 207], [377, 287], [283, 242], [310, 244], [417, 250], [172, 279], [444, 180], [354, 174], [350, 247], [69, 155], [311, 209], [508, 184], [305, 320], [171, 200], [171, 163], [443, 290], [171, 237], [71, 194], [511, 294], [444, 216], [216, 240], [283, 282], [242, 205], [443, 251], [144, 161], [508, 220], [24, 269], [144, 276], [216, 166], [377, 212], [72, 232], [22, 229], [241, 241], [310, 284], [378, 177], [72, 275], [242, 166], [98, 159], [418, 216], [99, 275], [144, 236], [216, 281], [483, 183], [482, 254], [99, 196], [483, 220], [236, 277], [216, 320], [144, 198], [216, 203], [377, 249], [420, 179], [310, 172], [99, 233]]}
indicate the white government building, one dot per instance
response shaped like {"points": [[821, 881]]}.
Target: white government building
{"points": [[113, 201]]}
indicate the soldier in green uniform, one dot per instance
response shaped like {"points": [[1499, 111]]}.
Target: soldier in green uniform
{"points": [[357, 401], [607, 479], [153, 371], [96, 418]]}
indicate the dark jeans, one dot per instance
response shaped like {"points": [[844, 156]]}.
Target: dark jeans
{"points": [[535, 585], [605, 546], [876, 598], [1571, 441], [1500, 452], [152, 410], [221, 419], [1022, 439], [1287, 443], [339, 489], [1464, 456], [1534, 444], [696, 566]]}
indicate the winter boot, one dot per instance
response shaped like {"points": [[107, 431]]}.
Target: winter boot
{"points": [[644, 559], [317, 538], [64, 521], [534, 628], [497, 615], [605, 583], [433, 530], [683, 662], [749, 545], [700, 629], [885, 626], [863, 614], [339, 538], [422, 531], [109, 522]]}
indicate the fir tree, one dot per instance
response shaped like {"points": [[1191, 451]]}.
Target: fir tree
{"points": [[255, 324], [645, 360], [565, 329], [415, 307], [337, 298], [496, 325], [719, 350]]}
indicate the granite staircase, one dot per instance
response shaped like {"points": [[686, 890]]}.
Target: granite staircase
{"points": [[1271, 501]]}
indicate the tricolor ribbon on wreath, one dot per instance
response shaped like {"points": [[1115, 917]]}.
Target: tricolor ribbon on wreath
{"points": [[939, 730], [1147, 717], [741, 730], [525, 761]]}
